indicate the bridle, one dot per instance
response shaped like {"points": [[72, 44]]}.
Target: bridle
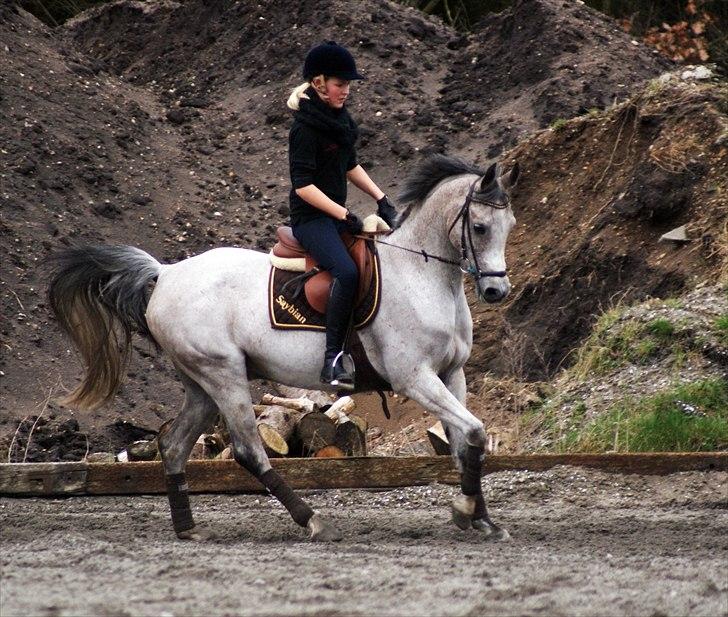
{"points": [[465, 264]]}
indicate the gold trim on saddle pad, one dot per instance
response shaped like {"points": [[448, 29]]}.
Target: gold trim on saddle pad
{"points": [[288, 313]]}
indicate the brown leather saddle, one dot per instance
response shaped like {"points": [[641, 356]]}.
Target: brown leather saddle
{"points": [[316, 286]]}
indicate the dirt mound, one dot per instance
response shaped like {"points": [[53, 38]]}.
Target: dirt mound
{"points": [[246, 56], [598, 194], [540, 61]]}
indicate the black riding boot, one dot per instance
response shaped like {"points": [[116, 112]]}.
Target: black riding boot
{"points": [[338, 314]]}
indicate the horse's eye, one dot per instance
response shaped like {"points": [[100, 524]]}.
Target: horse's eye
{"points": [[479, 228]]}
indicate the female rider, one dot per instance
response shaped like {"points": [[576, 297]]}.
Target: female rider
{"points": [[322, 157]]}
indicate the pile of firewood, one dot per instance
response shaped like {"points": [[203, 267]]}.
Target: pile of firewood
{"points": [[299, 427], [293, 427]]}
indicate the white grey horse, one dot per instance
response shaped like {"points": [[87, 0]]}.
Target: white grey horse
{"points": [[209, 314]]}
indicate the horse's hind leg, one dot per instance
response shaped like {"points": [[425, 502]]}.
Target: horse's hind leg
{"points": [[175, 445], [229, 388]]}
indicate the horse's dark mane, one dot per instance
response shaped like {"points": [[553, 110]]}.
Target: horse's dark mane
{"points": [[430, 172]]}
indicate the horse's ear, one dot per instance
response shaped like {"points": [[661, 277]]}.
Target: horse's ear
{"points": [[490, 175], [510, 180]]}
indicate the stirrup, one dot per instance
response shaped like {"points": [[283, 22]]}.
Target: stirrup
{"points": [[340, 378]]}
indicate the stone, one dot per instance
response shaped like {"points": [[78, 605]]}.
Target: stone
{"points": [[679, 235]]}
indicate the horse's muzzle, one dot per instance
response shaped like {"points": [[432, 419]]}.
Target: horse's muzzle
{"points": [[493, 290]]}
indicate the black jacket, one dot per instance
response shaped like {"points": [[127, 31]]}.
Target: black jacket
{"points": [[321, 149]]}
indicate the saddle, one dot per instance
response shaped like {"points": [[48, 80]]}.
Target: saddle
{"points": [[290, 256]]}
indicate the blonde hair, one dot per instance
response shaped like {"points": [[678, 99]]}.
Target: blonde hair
{"points": [[296, 96], [299, 92]]}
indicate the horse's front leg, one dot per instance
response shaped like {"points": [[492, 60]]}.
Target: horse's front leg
{"points": [[446, 400]]}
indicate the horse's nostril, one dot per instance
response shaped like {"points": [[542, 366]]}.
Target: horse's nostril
{"points": [[492, 294]]}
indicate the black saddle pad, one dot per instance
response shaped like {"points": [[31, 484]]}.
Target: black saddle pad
{"points": [[293, 312]]}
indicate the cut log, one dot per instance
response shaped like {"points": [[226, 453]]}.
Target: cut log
{"points": [[276, 426], [101, 457], [301, 404], [360, 422], [317, 396], [283, 419], [315, 430], [208, 445], [142, 450], [198, 450], [329, 452], [341, 408], [226, 454], [438, 439], [350, 438], [274, 445]]}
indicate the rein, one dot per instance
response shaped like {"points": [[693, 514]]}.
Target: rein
{"points": [[465, 265]]}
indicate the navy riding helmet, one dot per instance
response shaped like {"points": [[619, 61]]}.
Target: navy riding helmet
{"points": [[332, 60]]}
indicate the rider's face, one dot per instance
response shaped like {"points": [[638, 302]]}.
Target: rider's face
{"points": [[334, 91]]}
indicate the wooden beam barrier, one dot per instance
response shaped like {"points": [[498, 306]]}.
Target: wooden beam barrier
{"points": [[216, 476]]}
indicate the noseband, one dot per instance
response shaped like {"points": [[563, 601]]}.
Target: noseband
{"points": [[465, 265]]}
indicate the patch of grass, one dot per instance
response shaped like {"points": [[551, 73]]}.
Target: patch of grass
{"points": [[614, 344], [691, 417], [679, 355], [559, 125], [662, 328], [655, 86], [643, 350], [721, 328]]}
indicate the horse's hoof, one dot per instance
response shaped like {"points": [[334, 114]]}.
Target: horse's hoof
{"points": [[323, 531], [463, 508], [482, 526], [491, 531], [196, 535]]}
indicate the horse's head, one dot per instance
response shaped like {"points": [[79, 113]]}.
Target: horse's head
{"points": [[481, 229]]}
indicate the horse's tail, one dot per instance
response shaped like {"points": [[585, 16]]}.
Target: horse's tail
{"points": [[99, 295]]}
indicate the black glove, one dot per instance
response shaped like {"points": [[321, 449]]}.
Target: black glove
{"points": [[386, 212], [353, 224]]}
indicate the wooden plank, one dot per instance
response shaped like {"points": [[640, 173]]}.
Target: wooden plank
{"points": [[645, 463], [43, 479], [218, 476], [309, 473]]}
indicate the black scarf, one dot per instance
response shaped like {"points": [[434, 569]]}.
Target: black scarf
{"points": [[337, 123]]}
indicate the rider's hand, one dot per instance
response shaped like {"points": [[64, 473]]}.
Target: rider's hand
{"points": [[386, 212], [353, 224]]}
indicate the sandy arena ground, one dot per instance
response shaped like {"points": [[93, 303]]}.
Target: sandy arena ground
{"points": [[584, 543]]}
